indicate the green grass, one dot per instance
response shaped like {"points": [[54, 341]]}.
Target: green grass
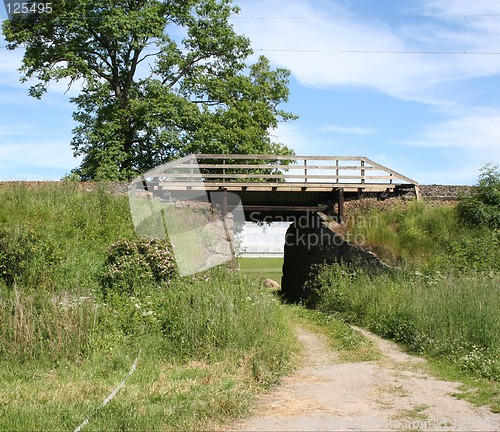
{"points": [[446, 316], [194, 395], [61, 233], [349, 344], [207, 346], [421, 236], [263, 268]]}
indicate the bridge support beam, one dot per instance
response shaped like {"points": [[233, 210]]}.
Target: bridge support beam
{"points": [[340, 205], [309, 241]]}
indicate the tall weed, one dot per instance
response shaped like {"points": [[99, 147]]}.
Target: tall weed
{"points": [[40, 325], [199, 317]]}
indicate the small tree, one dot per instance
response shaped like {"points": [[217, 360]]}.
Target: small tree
{"points": [[482, 208]]}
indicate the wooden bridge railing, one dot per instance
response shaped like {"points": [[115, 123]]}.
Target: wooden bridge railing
{"points": [[274, 172], [297, 169]]}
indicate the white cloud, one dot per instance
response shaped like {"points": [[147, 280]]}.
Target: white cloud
{"points": [[294, 137], [478, 134], [325, 45], [39, 154], [465, 144], [349, 130], [11, 130], [10, 62], [461, 7]]}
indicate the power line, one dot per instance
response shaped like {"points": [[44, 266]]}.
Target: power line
{"points": [[379, 52], [457, 16], [326, 17], [339, 51]]}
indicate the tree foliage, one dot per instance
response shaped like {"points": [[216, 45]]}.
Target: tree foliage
{"points": [[160, 79], [482, 208]]}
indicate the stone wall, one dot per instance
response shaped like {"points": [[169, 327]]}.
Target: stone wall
{"points": [[444, 192]]}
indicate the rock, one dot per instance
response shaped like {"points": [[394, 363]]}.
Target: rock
{"points": [[269, 283]]}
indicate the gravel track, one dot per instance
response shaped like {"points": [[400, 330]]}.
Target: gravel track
{"points": [[389, 394]]}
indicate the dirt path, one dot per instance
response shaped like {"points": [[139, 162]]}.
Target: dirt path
{"points": [[389, 394]]}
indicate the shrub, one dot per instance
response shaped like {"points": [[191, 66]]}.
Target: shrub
{"points": [[478, 250], [132, 264], [26, 256], [483, 207]]}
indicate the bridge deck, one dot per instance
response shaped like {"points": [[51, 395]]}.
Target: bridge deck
{"points": [[272, 184], [275, 187]]}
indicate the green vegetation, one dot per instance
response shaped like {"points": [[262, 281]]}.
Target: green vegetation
{"points": [[81, 297], [443, 300], [264, 268], [349, 344], [424, 236], [72, 324], [455, 317], [483, 207]]}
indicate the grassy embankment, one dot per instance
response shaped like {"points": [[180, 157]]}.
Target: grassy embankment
{"points": [[205, 344], [443, 301]]}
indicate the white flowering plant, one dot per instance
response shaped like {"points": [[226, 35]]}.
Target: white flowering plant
{"points": [[132, 264]]}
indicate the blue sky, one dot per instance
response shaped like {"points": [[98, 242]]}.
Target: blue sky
{"points": [[411, 84]]}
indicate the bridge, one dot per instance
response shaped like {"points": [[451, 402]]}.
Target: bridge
{"points": [[278, 186], [198, 198]]}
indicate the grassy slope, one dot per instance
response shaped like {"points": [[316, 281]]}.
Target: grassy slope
{"points": [[206, 345], [204, 386]]}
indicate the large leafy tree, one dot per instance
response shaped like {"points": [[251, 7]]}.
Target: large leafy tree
{"points": [[161, 79]]}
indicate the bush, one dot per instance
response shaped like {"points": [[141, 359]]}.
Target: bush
{"points": [[26, 256], [478, 250], [132, 264], [483, 207]]}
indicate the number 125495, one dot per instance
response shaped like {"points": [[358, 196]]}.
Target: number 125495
{"points": [[26, 8]]}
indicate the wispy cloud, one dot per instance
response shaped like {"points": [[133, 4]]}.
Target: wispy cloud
{"points": [[478, 134], [325, 45], [462, 144], [349, 130], [10, 62], [39, 154], [459, 7]]}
